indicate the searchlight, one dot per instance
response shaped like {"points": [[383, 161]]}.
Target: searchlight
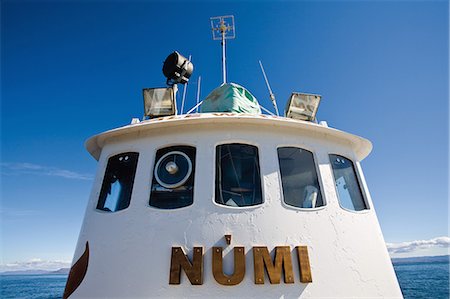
{"points": [[160, 102], [177, 69]]}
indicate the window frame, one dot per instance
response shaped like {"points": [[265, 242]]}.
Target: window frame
{"points": [[319, 179], [151, 176], [214, 168], [102, 178], [358, 181]]}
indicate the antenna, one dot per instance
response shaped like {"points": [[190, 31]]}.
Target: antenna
{"points": [[271, 95], [185, 90], [184, 97], [195, 107], [198, 91], [222, 29]]}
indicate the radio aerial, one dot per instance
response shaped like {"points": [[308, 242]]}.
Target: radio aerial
{"points": [[271, 95], [222, 29]]}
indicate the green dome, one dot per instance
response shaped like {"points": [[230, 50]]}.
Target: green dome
{"points": [[230, 97]]}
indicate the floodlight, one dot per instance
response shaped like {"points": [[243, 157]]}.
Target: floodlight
{"points": [[177, 68], [159, 101], [302, 106]]}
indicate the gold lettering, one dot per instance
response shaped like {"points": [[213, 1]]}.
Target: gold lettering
{"points": [[303, 264], [262, 259], [193, 271], [239, 266]]}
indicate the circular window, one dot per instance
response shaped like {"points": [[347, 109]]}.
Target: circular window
{"points": [[173, 169]]}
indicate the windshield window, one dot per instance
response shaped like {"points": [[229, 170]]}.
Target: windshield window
{"points": [[299, 180], [173, 177], [238, 178], [347, 186], [118, 182]]}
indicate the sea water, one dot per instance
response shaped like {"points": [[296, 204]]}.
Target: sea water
{"points": [[32, 286], [417, 280], [424, 280]]}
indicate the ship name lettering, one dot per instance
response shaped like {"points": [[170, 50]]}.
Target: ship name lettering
{"points": [[262, 262]]}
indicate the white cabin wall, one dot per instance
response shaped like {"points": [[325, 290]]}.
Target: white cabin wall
{"points": [[130, 249], [91, 204]]}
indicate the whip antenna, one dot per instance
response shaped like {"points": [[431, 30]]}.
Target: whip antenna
{"points": [[198, 92], [185, 90], [271, 95]]}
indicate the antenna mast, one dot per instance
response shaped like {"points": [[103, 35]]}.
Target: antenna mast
{"points": [[271, 95], [198, 92], [185, 90], [222, 29]]}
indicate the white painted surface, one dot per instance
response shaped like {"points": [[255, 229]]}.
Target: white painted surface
{"points": [[361, 147], [130, 249]]}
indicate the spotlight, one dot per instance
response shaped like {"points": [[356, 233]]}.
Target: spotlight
{"points": [[177, 69], [159, 102], [302, 106]]}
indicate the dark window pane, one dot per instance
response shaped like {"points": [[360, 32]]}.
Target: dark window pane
{"points": [[238, 178], [118, 182], [348, 189], [299, 178], [173, 177]]}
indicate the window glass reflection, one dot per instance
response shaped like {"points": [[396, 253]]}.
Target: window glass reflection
{"points": [[347, 186], [117, 186], [299, 179], [238, 178]]}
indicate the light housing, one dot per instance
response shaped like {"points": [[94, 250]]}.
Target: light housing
{"points": [[177, 69], [302, 106], [159, 102]]}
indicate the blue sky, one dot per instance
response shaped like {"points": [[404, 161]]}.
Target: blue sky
{"points": [[73, 69]]}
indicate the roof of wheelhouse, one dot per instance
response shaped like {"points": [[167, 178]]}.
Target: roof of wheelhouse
{"points": [[361, 146]]}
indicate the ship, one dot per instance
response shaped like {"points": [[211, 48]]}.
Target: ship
{"points": [[224, 201]]}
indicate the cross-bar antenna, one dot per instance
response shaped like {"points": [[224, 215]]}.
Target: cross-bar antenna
{"points": [[222, 29]]}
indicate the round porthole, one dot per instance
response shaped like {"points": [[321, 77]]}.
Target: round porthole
{"points": [[173, 169]]}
